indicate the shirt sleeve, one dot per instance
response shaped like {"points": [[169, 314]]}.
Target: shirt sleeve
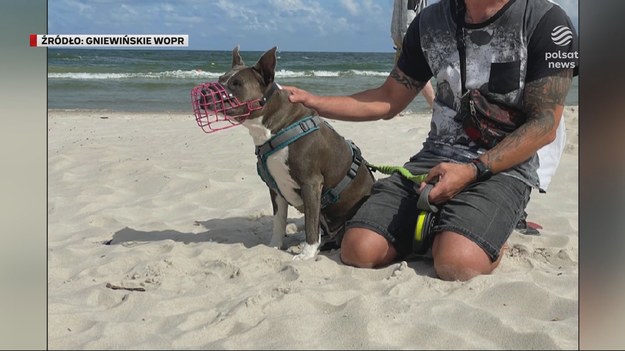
{"points": [[552, 47], [412, 60]]}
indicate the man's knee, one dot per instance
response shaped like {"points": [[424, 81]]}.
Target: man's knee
{"points": [[356, 251], [353, 257], [458, 258], [456, 271], [364, 248]]}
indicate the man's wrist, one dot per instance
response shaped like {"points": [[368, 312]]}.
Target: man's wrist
{"points": [[476, 172], [483, 172]]}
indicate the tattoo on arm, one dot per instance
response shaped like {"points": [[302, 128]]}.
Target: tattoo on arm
{"points": [[540, 99], [406, 81], [542, 96]]}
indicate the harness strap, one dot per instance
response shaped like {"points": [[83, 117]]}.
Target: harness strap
{"points": [[282, 139], [332, 195], [289, 135]]}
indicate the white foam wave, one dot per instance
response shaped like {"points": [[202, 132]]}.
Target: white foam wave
{"points": [[149, 75], [369, 73], [192, 74]]}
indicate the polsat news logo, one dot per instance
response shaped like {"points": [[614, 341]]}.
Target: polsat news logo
{"points": [[109, 40], [562, 36]]}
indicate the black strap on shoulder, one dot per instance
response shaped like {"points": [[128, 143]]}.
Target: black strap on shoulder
{"points": [[460, 11]]}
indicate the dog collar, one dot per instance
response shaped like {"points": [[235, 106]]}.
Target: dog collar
{"points": [[269, 93]]}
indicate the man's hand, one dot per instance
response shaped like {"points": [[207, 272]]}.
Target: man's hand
{"points": [[452, 178], [297, 95]]}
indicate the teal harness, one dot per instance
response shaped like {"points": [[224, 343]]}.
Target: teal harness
{"points": [[289, 135]]}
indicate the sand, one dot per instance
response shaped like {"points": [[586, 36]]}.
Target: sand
{"points": [[148, 201]]}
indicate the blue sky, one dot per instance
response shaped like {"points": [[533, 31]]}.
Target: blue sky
{"points": [[255, 25]]}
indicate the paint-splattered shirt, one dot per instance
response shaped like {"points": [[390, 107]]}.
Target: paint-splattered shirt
{"points": [[524, 41]]}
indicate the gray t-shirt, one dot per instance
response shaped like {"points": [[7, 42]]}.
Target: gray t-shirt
{"points": [[524, 41]]}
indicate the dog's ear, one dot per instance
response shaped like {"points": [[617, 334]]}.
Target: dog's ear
{"points": [[266, 65], [236, 57]]}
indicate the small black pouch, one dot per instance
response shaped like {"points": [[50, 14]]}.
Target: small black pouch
{"points": [[487, 123]]}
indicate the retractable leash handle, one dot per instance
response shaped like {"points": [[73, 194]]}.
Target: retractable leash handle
{"points": [[427, 217], [427, 214], [423, 203]]}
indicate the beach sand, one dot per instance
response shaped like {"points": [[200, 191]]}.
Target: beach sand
{"points": [[149, 201]]}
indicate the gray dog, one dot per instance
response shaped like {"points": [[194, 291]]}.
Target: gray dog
{"points": [[302, 159]]}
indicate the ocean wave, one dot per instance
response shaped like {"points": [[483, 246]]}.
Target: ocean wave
{"points": [[369, 73], [179, 74], [193, 74]]}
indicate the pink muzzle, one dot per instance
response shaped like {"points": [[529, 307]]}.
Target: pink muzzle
{"points": [[217, 109]]}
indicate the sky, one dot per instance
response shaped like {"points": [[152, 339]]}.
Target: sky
{"points": [[255, 25]]}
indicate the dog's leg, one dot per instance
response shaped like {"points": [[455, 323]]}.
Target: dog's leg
{"points": [[311, 195], [280, 210]]}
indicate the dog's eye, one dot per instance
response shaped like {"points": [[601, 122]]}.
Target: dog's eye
{"points": [[236, 83]]}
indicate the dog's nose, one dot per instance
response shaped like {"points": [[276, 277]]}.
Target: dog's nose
{"points": [[202, 99], [210, 100]]}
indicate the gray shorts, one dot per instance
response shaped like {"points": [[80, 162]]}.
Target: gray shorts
{"points": [[485, 212]]}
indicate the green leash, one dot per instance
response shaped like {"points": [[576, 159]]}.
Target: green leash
{"points": [[401, 170]]}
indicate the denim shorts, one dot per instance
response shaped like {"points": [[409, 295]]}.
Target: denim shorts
{"points": [[485, 212]]}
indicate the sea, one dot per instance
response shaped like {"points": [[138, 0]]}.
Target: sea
{"points": [[161, 80]]}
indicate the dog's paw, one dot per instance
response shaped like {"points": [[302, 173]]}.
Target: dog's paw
{"points": [[308, 252], [276, 241], [276, 245]]}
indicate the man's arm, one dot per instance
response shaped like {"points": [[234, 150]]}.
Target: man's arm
{"points": [[383, 102], [543, 103]]}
